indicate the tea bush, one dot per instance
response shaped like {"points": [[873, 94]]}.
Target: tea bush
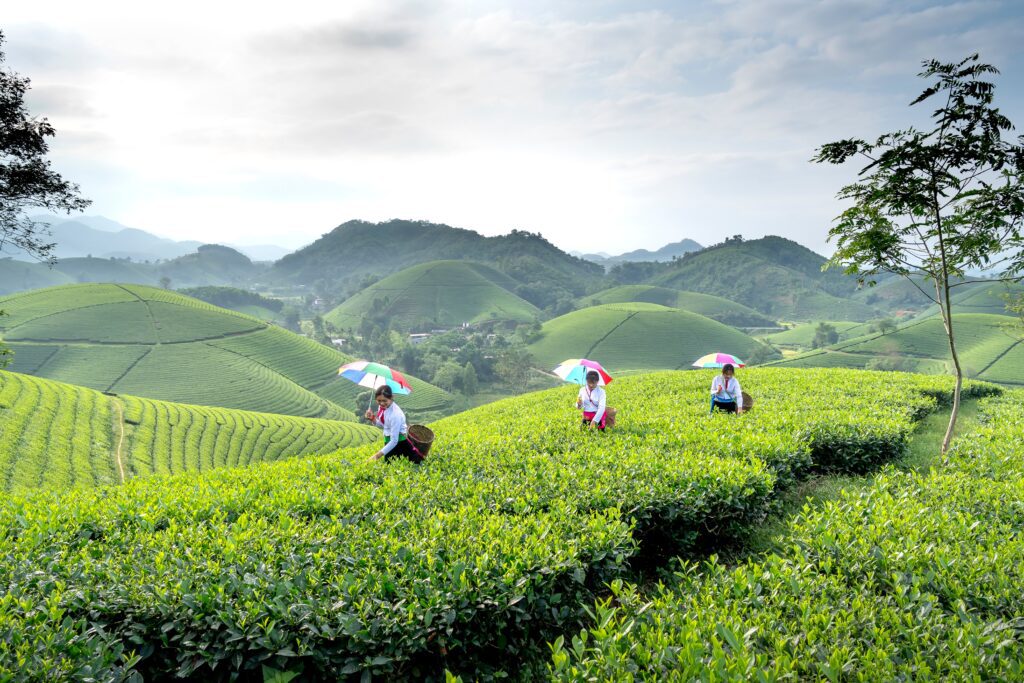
{"points": [[331, 564], [918, 578]]}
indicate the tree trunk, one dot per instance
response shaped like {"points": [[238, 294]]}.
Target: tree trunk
{"points": [[946, 308], [947, 322]]}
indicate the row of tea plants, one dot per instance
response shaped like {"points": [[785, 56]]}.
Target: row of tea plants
{"points": [[518, 520], [919, 577]]}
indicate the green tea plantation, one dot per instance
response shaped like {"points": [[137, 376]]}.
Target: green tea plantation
{"points": [[636, 336], [503, 541], [918, 578], [58, 436], [133, 339]]}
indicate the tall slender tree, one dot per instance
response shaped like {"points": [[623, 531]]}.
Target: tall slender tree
{"points": [[27, 182], [932, 204]]}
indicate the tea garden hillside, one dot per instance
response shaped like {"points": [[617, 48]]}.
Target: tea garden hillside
{"points": [[479, 329], [193, 489]]}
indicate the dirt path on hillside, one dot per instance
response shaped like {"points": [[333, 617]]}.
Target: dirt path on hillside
{"points": [[120, 441]]}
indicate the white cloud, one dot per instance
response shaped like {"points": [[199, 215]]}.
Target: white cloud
{"points": [[601, 123]]}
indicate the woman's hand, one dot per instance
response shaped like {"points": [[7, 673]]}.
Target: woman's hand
{"points": [[579, 403], [592, 424], [377, 456], [369, 415]]}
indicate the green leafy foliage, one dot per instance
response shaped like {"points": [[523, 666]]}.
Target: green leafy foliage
{"points": [[916, 578], [341, 566], [233, 298], [54, 436], [773, 275]]}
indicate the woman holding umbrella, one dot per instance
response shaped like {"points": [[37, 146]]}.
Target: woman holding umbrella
{"points": [[591, 398], [726, 394], [592, 401], [391, 419]]}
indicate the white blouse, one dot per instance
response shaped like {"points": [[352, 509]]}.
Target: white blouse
{"points": [[593, 401], [393, 424], [727, 391]]}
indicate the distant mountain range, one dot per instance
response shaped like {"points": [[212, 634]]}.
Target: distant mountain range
{"points": [[773, 275], [666, 253], [209, 264], [547, 276], [779, 279], [100, 237]]}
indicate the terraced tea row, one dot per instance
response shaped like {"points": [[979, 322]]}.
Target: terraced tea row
{"points": [[917, 578], [58, 436], [989, 347], [151, 342], [54, 436], [335, 565]]}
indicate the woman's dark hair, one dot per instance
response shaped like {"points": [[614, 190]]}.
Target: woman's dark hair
{"points": [[592, 375], [384, 391], [725, 369]]}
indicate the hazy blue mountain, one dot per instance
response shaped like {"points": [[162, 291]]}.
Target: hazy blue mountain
{"points": [[666, 253], [81, 237], [102, 237], [262, 252]]}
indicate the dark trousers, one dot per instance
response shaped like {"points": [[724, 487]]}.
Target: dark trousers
{"points": [[404, 449], [727, 406]]}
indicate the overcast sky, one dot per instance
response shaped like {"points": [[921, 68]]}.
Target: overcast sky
{"points": [[606, 126]]}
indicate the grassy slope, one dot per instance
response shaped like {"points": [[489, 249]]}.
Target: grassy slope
{"points": [[988, 345], [714, 307], [802, 336], [636, 336], [440, 292], [151, 342], [59, 436], [17, 276], [980, 297]]}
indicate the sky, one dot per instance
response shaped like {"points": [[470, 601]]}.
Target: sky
{"points": [[605, 126]]}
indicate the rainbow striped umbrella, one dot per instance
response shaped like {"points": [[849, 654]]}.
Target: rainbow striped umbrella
{"points": [[576, 369], [717, 360], [373, 375]]}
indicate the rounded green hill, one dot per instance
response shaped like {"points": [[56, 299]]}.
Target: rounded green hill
{"points": [[715, 307], [151, 342], [443, 293], [637, 336]]}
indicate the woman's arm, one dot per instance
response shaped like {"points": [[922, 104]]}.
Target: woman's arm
{"points": [[739, 396]]}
